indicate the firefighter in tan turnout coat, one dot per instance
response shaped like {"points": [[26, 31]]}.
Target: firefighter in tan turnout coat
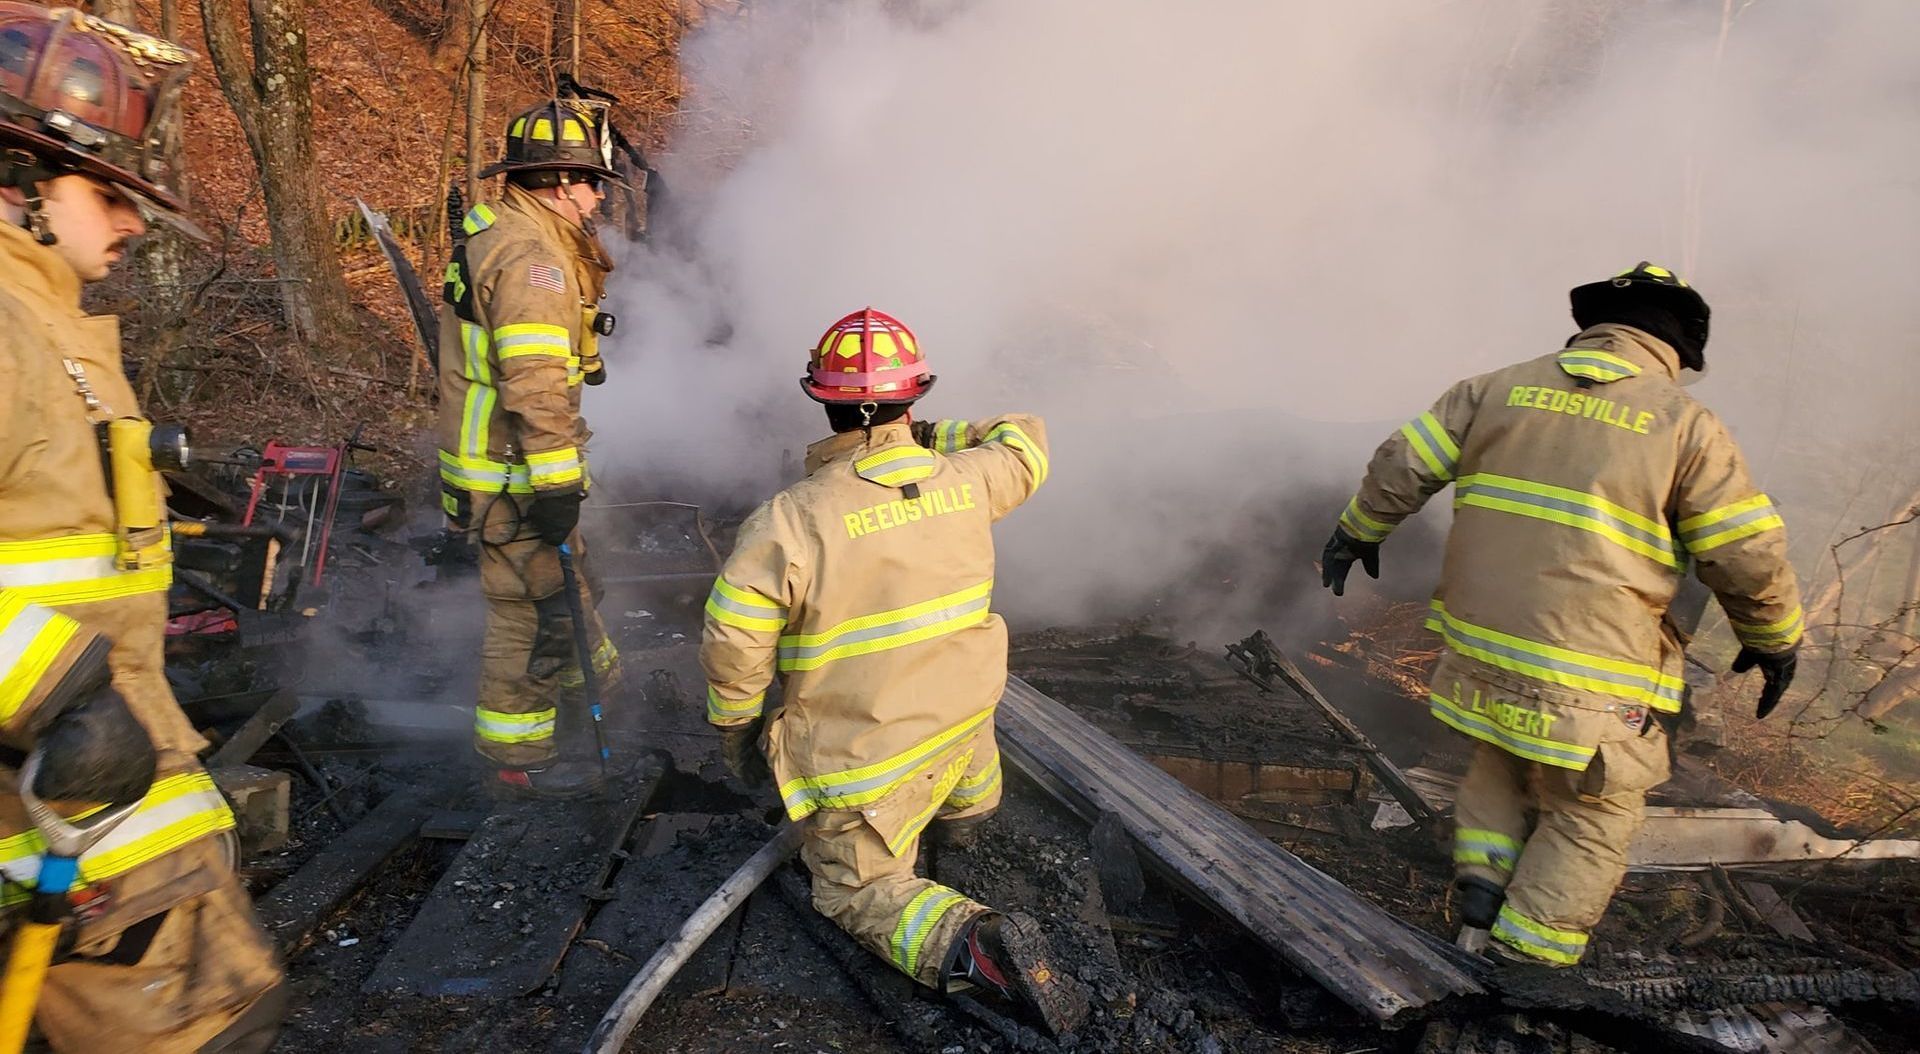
{"points": [[518, 338], [865, 588], [1586, 483], [163, 954]]}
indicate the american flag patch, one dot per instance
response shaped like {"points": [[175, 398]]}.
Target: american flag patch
{"points": [[546, 276]]}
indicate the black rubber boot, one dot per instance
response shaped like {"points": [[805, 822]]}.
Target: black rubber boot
{"points": [[1009, 956], [1479, 902], [558, 781], [957, 834]]}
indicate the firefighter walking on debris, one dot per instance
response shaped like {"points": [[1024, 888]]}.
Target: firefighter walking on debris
{"points": [[163, 953], [866, 588], [518, 338], [1585, 482]]}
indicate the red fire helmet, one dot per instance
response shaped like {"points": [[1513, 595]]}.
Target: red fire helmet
{"points": [[867, 357]]}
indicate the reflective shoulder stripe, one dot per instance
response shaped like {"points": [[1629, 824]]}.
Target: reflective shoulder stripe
{"points": [[1729, 523], [550, 468], [744, 608], [1010, 435], [853, 788], [1571, 508], [1533, 748], [1537, 939], [1598, 365], [1772, 636], [1562, 666], [917, 922], [478, 219], [1431, 443], [896, 466], [74, 569], [177, 811], [722, 710], [31, 638], [886, 630], [497, 727], [1362, 526]]}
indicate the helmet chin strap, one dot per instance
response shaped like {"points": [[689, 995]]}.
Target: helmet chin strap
{"points": [[22, 172]]}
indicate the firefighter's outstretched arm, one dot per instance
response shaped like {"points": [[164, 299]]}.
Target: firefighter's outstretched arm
{"points": [[1410, 467], [1012, 449], [746, 612], [534, 342], [1738, 544]]}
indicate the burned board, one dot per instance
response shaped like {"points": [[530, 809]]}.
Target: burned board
{"points": [[503, 915], [1366, 957]]}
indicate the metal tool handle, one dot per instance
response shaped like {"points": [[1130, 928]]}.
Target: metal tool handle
{"points": [[589, 677]]}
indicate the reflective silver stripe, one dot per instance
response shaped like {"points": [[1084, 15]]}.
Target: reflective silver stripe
{"points": [[1467, 639], [1441, 446], [18, 635], [1692, 537], [790, 653], [1564, 755], [856, 787], [523, 339], [1477, 485], [1500, 857], [921, 915], [503, 729], [57, 572], [727, 603], [720, 707]]}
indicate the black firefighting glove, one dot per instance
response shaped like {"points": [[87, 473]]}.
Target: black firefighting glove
{"points": [[740, 748], [1776, 671], [1338, 557], [922, 433], [95, 751], [554, 516]]}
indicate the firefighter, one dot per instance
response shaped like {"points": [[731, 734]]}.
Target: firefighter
{"points": [[866, 586], [1586, 482], [163, 953], [518, 338]]}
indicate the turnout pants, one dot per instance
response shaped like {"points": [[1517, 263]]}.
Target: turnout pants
{"points": [[528, 662], [1554, 838], [204, 972], [862, 861]]}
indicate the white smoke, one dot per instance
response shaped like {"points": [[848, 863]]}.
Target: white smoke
{"points": [[1223, 246]]}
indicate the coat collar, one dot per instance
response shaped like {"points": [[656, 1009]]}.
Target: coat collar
{"points": [[1611, 352], [843, 445], [584, 245], [36, 271]]}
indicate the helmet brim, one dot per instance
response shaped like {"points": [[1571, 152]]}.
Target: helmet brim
{"points": [[503, 167], [834, 396]]}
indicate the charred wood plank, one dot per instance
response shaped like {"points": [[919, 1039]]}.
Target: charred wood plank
{"points": [[254, 733], [1369, 959], [297, 906]]}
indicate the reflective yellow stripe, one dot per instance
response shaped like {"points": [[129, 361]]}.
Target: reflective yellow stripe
{"points": [[484, 475], [974, 789], [852, 788], [31, 638], [479, 218], [1432, 444], [917, 922], [1593, 363], [950, 437], [1362, 526], [177, 810], [743, 608], [1519, 744], [1570, 508], [886, 630], [476, 415], [497, 727], [531, 338], [1562, 666], [1010, 435], [1729, 523], [550, 468], [896, 466], [1538, 939], [942, 787], [722, 710], [604, 657], [1478, 847], [74, 569], [1772, 635]]}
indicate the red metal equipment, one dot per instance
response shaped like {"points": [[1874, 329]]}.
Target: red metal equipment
{"points": [[315, 468]]}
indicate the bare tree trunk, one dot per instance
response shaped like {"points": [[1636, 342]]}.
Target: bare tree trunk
{"points": [[563, 51], [476, 93], [272, 97]]}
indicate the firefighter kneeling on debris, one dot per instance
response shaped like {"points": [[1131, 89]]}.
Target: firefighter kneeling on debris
{"points": [[1585, 483], [157, 947], [866, 587], [518, 338]]}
